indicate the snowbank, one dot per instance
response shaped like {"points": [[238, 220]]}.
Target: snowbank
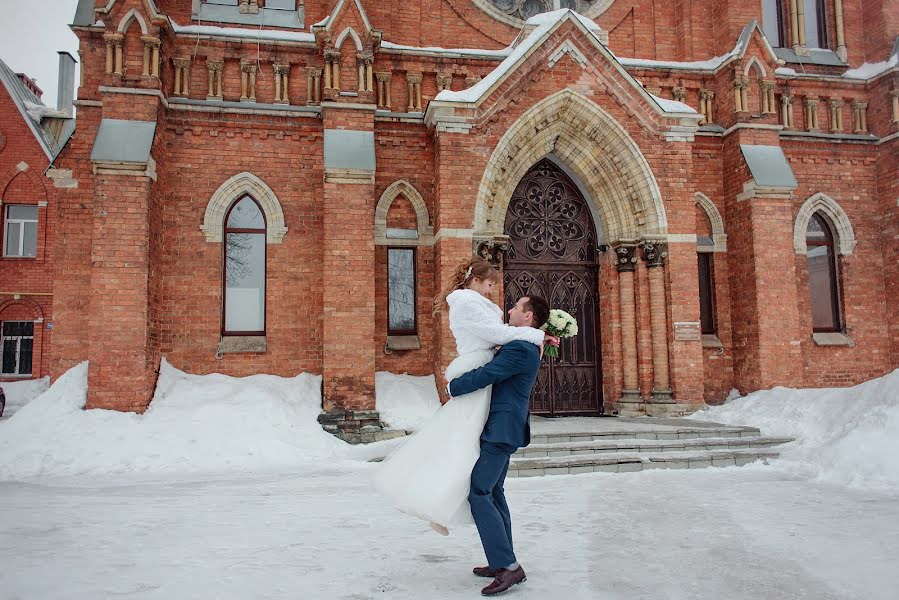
{"points": [[20, 393], [207, 424], [848, 436], [405, 401]]}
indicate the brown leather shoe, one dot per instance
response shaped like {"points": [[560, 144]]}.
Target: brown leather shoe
{"points": [[504, 580], [485, 572]]}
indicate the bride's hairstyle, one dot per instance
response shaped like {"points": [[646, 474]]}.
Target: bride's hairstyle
{"points": [[462, 276]]}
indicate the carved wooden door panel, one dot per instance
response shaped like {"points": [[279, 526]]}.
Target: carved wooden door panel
{"points": [[552, 254]]}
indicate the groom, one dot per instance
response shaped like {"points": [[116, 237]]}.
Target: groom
{"points": [[512, 372]]}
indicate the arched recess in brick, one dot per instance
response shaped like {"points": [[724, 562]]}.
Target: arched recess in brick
{"points": [[16, 177], [236, 187], [132, 15], [718, 235], [29, 307], [835, 215], [402, 187], [597, 151]]}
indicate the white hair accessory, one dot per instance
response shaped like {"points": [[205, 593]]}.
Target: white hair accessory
{"points": [[468, 273]]}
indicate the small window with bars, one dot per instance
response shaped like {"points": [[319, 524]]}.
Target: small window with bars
{"points": [[20, 231], [18, 346]]}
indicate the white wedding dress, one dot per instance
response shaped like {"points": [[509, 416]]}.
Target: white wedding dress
{"points": [[428, 476]]}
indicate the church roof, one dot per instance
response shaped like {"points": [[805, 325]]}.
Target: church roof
{"points": [[51, 128]]}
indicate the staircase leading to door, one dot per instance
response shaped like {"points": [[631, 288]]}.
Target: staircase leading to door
{"points": [[620, 445]]}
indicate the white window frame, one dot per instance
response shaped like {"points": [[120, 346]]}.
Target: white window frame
{"points": [[18, 338], [21, 224]]}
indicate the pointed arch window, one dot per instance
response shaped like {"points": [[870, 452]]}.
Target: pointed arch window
{"points": [[823, 281], [244, 269], [815, 24]]}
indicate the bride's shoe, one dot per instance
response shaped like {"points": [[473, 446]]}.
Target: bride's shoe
{"points": [[439, 528]]}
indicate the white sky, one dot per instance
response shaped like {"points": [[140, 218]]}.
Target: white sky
{"points": [[31, 33]]}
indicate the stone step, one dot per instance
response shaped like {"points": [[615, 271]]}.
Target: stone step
{"points": [[629, 462], [647, 446], [670, 433]]}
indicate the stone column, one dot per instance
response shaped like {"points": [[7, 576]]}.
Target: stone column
{"points": [[679, 93], [384, 90], [413, 81], [769, 104], [215, 68], [811, 113], [117, 42], [859, 111], [841, 31], [281, 83], [151, 56], [313, 85], [836, 114], [786, 109], [894, 94], [655, 254], [706, 98], [444, 81], [182, 76], [626, 262], [110, 52], [81, 69], [248, 81], [740, 96], [794, 24]]}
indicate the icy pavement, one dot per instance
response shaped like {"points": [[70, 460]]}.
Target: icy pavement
{"points": [[737, 533]]}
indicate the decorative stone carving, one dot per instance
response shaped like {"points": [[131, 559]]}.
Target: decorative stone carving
{"points": [[654, 253], [182, 76], [811, 113], [836, 114], [413, 82], [444, 81], [313, 85], [860, 115], [786, 109], [384, 99], [492, 250], [626, 258], [706, 98], [215, 68], [248, 81], [679, 93]]}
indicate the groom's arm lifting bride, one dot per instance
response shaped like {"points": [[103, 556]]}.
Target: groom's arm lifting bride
{"points": [[512, 373]]}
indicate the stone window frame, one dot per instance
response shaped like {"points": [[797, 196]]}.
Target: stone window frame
{"points": [[843, 244], [424, 230], [719, 245], [845, 240], [238, 186], [424, 236]]}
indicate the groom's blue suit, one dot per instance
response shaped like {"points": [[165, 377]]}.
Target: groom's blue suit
{"points": [[512, 373]]}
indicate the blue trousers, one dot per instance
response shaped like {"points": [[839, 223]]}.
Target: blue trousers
{"points": [[488, 503]]}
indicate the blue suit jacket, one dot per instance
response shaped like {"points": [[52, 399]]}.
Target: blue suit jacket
{"points": [[512, 373]]}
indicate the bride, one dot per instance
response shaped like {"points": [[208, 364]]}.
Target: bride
{"points": [[428, 476]]}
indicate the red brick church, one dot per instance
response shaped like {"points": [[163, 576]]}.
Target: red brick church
{"points": [[279, 186]]}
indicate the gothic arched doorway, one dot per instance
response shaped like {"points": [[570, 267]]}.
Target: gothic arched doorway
{"points": [[553, 254]]}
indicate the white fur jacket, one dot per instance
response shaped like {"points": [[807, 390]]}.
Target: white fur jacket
{"points": [[477, 323]]}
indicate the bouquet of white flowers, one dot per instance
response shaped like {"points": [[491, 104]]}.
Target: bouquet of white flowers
{"points": [[561, 325]]}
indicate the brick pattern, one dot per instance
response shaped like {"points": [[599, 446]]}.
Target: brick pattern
{"points": [[126, 254]]}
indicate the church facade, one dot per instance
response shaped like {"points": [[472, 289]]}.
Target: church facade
{"points": [[269, 186]]}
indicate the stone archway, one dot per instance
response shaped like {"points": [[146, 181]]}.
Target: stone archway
{"points": [[621, 190], [598, 151]]}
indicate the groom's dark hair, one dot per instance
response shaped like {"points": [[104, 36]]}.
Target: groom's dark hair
{"points": [[539, 307]]}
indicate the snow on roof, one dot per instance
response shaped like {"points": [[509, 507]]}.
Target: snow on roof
{"points": [[275, 35], [673, 105], [473, 52], [544, 23], [870, 70], [700, 65], [34, 111]]}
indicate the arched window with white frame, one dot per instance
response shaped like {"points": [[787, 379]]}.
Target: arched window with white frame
{"points": [[244, 269]]}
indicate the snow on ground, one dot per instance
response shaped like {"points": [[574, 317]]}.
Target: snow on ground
{"points": [[405, 401], [848, 436], [211, 423], [738, 533], [20, 393]]}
